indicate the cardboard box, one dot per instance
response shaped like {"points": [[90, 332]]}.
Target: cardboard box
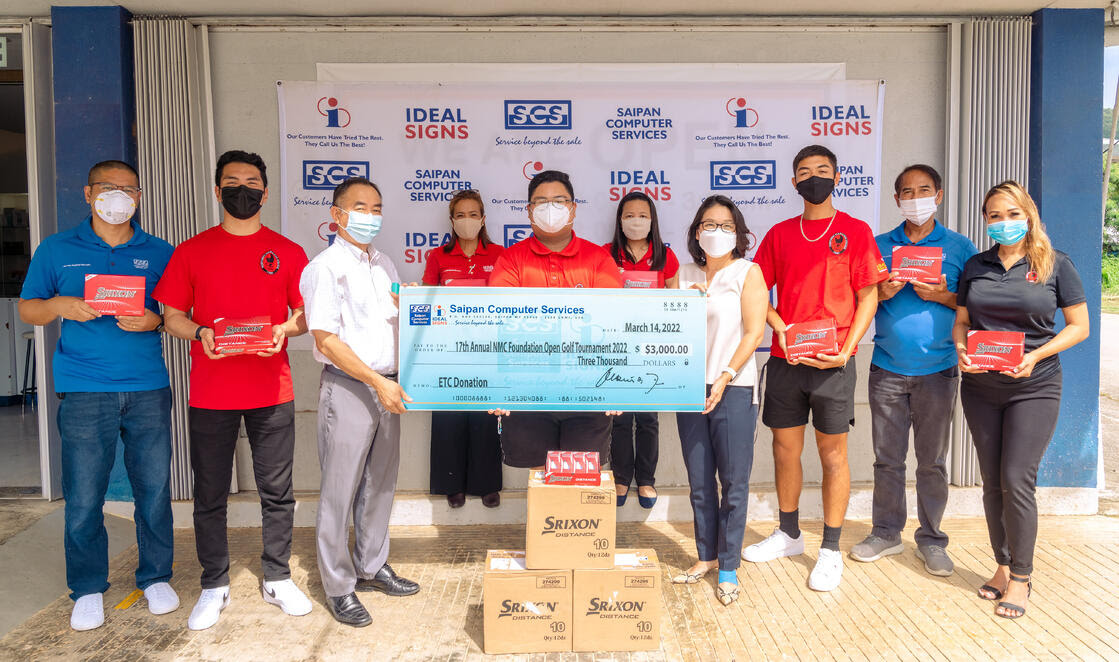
{"points": [[115, 295], [233, 335], [524, 611], [810, 338], [917, 263], [572, 468], [995, 350], [570, 526], [643, 279], [619, 609]]}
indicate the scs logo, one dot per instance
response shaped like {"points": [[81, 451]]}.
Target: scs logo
{"points": [[419, 314], [543, 115], [328, 174], [743, 175], [515, 233]]}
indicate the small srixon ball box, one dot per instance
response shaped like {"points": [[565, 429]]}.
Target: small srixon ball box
{"points": [[115, 295], [619, 609], [524, 611], [570, 526], [995, 350], [919, 263], [810, 338], [233, 335]]}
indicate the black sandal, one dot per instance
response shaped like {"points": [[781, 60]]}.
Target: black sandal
{"points": [[1006, 605], [987, 587]]}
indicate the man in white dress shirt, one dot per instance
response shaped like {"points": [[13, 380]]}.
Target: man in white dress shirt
{"points": [[352, 312]]}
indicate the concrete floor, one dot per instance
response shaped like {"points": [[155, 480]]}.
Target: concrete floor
{"points": [[19, 447], [1109, 413]]}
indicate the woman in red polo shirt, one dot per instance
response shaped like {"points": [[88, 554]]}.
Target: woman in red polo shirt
{"points": [[465, 449], [645, 261]]}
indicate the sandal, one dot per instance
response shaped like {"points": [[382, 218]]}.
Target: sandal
{"points": [[994, 591], [1006, 605], [727, 595], [689, 577]]}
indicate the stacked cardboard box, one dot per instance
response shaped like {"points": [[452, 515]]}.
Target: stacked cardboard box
{"points": [[571, 589]]}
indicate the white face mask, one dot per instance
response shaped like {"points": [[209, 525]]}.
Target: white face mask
{"points": [[918, 210], [636, 228], [467, 228], [551, 216], [717, 243], [114, 207]]}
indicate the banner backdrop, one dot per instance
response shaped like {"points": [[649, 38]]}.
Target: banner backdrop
{"points": [[678, 142]]}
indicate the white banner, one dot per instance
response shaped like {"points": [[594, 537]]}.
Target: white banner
{"points": [[679, 142], [576, 72]]}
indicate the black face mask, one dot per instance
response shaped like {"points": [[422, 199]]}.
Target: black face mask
{"points": [[815, 189], [241, 201]]}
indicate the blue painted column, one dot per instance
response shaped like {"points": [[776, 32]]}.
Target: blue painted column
{"points": [[94, 120], [94, 99], [1066, 102]]}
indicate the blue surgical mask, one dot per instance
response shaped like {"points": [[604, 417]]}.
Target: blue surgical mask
{"points": [[363, 226], [1008, 233]]}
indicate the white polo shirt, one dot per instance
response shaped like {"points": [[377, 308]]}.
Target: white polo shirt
{"points": [[348, 292]]}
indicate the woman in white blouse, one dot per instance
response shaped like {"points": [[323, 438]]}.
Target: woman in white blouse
{"points": [[721, 438]]}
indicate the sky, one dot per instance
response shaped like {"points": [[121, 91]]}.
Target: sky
{"points": [[1110, 73]]}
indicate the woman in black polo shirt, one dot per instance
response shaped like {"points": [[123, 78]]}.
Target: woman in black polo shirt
{"points": [[1016, 285]]}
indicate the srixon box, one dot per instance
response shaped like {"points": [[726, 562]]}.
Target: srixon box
{"points": [[810, 338], [233, 335], [619, 609], [115, 295], [642, 279], [917, 263], [995, 350], [572, 468], [524, 611], [570, 526]]}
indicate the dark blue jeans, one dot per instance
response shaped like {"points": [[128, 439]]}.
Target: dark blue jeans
{"points": [[720, 442], [89, 424]]}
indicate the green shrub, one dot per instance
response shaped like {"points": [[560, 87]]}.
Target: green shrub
{"points": [[1111, 275]]}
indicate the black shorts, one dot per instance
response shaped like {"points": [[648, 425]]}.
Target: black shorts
{"points": [[527, 436], [791, 391]]}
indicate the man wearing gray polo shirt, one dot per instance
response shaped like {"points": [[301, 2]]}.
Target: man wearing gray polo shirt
{"points": [[352, 313]]}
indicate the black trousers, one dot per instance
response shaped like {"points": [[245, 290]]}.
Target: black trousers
{"points": [[630, 451], [529, 435], [465, 453], [1011, 424], [213, 438]]}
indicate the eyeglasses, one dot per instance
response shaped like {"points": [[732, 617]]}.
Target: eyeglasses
{"points": [[106, 187], [561, 200], [712, 225]]}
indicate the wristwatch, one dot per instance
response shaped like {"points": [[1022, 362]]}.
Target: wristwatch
{"points": [[198, 333], [160, 327], [731, 371]]}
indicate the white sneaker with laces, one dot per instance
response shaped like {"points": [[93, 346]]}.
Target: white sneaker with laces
{"points": [[777, 545], [208, 608], [89, 612], [162, 599], [287, 596], [828, 571]]}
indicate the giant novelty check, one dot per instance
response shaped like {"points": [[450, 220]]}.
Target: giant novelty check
{"points": [[552, 349]]}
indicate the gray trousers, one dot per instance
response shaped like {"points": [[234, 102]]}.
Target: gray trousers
{"points": [[925, 403], [359, 452]]}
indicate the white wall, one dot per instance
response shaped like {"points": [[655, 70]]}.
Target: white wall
{"points": [[246, 64]]}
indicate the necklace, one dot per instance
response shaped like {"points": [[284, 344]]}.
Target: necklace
{"points": [[825, 229]]}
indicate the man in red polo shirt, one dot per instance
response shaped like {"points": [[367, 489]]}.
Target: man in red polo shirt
{"points": [[239, 269], [825, 265], [553, 257]]}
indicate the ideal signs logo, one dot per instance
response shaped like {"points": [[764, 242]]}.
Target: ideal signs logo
{"points": [[336, 116], [540, 115], [419, 314], [516, 233], [744, 116], [743, 175], [325, 175], [531, 168]]}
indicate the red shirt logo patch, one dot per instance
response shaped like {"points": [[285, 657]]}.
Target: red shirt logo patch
{"points": [[838, 243], [1031, 276], [270, 262]]}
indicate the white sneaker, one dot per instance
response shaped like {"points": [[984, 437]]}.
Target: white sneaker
{"points": [[287, 596], [208, 608], [777, 545], [162, 599], [828, 571], [89, 612]]}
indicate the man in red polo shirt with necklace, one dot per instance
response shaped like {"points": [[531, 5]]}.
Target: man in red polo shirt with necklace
{"points": [[553, 257], [826, 266]]}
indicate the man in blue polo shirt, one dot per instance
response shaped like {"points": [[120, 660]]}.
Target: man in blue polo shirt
{"points": [[914, 377], [110, 377]]}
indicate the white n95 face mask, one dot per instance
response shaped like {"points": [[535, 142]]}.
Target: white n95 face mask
{"points": [[551, 216], [918, 210], [114, 207], [717, 243]]}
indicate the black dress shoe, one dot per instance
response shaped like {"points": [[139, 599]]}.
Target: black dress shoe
{"points": [[349, 611], [456, 500], [492, 500], [387, 581]]}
